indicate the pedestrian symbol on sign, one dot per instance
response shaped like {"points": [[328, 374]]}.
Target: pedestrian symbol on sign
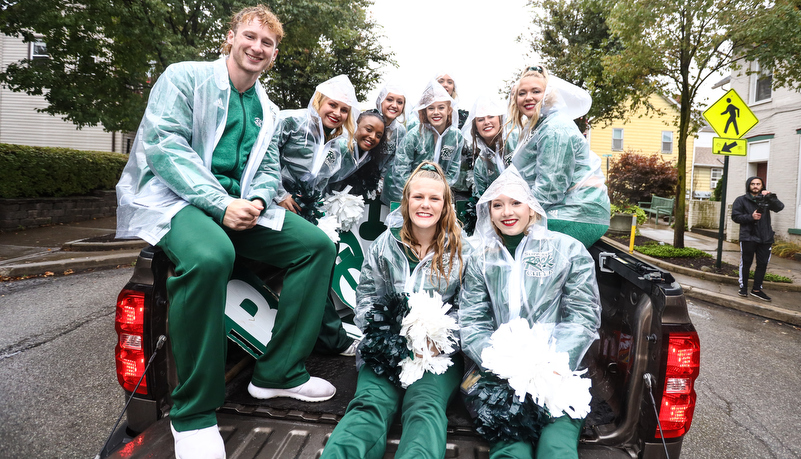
{"points": [[730, 117], [733, 112]]}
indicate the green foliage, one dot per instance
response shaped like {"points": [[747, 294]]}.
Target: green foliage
{"points": [[785, 249], [105, 56], [774, 278], [718, 191], [668, 251], [635, 177], [28, 172], [676, 47], [571, 37], [626, 208]]}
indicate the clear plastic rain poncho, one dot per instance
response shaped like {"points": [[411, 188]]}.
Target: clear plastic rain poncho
{"points": [[394, 133], [555, 159], [170, 162], [550, 279], [428, 145], [488, 163], [386, 270], [307, 160]]}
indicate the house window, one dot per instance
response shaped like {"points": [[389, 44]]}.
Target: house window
{"points": [[667, 142], [38, 50], [763, 80], [617, 139], [714, 176]]}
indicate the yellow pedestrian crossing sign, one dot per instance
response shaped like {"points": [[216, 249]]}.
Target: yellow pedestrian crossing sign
{"points": [[730, 117], [729, 147]]}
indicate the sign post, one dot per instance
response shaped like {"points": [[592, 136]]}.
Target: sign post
{"points": [[731, 119]]}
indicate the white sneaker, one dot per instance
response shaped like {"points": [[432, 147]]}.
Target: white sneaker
{"points": [[351, 350], [313, 390], [199, 443]]}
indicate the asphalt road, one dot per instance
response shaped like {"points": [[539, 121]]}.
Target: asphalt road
{"points": [[59, 396], [748, 389]]}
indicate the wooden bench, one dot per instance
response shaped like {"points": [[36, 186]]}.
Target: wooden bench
{"points": [[658, 206]]}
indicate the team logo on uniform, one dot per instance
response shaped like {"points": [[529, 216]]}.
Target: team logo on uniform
{"points": [[258, 121], [538, 264], [554, 213], [330, 158], [219, 104], [447, 152]]}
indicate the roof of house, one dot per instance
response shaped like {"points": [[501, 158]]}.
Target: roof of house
{"points": [[704, 157]]}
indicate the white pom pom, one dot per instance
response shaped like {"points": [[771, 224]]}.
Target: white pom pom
{"points": [[329, 225], [427, 324], [347, 208], [527, 359]]}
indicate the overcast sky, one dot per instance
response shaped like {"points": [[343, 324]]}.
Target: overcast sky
{"points": [[475, 42]]}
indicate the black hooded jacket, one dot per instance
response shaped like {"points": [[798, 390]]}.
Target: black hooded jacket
{"points": [[742, 212]]}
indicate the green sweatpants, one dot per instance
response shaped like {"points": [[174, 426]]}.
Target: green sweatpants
{"points": [[586, 233], [558, 440], [203, 253], [333, 338], [362, 432]]}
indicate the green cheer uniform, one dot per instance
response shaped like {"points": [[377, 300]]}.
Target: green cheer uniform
{"points": [[201, 145], [362, 432], [565, 177], [542, 276], [426, 145]]}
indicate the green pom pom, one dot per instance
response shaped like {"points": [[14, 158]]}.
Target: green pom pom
{"points": [[498, 415], [383, 348]]}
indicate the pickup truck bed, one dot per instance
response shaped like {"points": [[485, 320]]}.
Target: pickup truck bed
{"points": [[641, 306]]}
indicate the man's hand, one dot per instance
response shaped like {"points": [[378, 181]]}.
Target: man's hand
{"points": [[242, 214], [290, 205], [756, 215]]}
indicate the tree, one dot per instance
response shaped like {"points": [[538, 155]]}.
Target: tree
{"points": [[104, 55], [680, 45], [634, 177]]}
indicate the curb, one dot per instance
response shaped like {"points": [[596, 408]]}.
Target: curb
{"points": [[700, 274], [81, 246], [759, 309], [112, 260]]}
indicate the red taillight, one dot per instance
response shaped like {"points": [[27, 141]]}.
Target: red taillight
{"points": [[678, 395], [128, 353]]}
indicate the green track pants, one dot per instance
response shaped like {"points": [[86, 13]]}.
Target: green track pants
{"points": [[362, 432], [558, 440], [203, 253]]}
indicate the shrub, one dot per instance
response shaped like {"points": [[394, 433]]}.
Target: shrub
{"points": [[785, 249], [626, 208], [668, 251], [30, 172], [635, 177]]}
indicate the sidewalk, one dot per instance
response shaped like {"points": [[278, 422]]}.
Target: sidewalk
{"points": [[722, 290], [60, 249]]}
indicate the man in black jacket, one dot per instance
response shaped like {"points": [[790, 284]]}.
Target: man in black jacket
{"points": [[752, 212]]}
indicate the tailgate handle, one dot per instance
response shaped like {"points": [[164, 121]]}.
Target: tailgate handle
{"points": [[602, 257]]}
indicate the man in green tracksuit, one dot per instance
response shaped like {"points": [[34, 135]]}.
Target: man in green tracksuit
{"points": [[199, 184]]}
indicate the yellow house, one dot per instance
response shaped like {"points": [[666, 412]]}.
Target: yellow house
{"points": [[644, 134]]}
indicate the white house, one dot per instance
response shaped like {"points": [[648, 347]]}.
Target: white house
{"points": [[21, 124], [774, 149]]}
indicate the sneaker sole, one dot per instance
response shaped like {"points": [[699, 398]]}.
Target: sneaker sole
{"points": [[745, 295], [262, 393], [760, 298]]}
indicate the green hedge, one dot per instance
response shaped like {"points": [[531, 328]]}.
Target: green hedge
{"points": [[32, 172]]}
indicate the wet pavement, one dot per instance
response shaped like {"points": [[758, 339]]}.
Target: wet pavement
{"points": [[63, 249]]}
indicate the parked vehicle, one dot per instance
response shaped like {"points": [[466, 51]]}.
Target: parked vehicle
{"points": [[643, 369]]}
